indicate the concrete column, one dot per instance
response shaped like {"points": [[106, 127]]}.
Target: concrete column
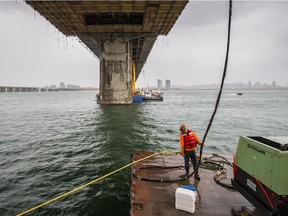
{"points": [[115, 72]]}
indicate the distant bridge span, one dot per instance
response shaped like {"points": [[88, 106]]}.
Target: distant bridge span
{"points": [[120, 33]]}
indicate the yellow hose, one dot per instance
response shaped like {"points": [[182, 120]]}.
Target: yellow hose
{"points": [[133, 77], [89, 183]]}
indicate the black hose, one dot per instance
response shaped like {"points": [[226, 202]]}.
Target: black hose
{"points": [[227, 186], [209, 163], [221, 87], [212, 116], [151, 167]]}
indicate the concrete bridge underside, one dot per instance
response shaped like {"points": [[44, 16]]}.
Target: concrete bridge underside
{"points": [[120, 33]]}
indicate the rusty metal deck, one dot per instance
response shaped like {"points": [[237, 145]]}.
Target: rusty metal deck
{"points": [[158, 198]]}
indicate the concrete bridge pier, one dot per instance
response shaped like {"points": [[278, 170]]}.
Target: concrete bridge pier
{"points": [[120, 33], [115, 71]]}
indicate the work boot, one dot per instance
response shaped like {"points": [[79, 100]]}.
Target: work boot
{"points": [[197, 177], [184, 175]]}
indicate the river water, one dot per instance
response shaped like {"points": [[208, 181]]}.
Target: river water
{"points": [[52, 142]]}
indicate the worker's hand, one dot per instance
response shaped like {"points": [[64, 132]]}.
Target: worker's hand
{"points": [[182, 153]]}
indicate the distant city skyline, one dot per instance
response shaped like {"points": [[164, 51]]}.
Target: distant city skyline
{"points": [[168, 85], [236, 85]]}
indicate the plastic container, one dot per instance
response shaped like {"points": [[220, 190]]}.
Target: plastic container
{"points": [[188, 187], [185, 199]]}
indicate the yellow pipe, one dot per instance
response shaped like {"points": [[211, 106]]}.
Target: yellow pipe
{"points": [[133, 77]]}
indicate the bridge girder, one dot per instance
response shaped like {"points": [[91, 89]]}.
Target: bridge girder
{"points": [[92, 21]]}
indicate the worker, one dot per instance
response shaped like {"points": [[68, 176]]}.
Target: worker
{"points": [[188, 144]]}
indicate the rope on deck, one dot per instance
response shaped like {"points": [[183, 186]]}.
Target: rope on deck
{"points": [[215, 162]]}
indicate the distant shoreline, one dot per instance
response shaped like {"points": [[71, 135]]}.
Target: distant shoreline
{"points": [[182, 88], [227, 86], [42, 89], [233, 86], [215, 88]]}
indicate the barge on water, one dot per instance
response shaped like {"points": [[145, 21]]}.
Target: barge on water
{"points": [[154, 183], [258, 174]]}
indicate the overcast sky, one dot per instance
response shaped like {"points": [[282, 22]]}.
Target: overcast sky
{"points": [[34, 53]]}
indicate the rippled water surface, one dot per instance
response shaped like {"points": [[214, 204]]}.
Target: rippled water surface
{"points": [[53, 142]]}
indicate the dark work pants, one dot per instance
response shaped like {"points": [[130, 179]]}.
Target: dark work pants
{"points": [[187, 156]]}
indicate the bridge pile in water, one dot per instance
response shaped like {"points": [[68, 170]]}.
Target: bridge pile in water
{"points": [[120, 33]]}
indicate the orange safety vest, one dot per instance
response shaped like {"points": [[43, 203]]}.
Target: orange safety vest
{"points": [[189, 140]]}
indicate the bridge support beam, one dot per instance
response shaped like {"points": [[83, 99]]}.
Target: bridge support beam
{"points": [[115, 71]]}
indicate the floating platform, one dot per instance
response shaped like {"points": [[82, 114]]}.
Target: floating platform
{"points": [[154, 182]]}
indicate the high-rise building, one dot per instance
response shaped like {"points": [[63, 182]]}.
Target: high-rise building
{"points": [[159, 83], [52, 87], [168, 84], [73, 86], [62, 85]]}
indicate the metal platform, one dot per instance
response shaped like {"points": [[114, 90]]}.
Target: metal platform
{"points": [[158, 198]]}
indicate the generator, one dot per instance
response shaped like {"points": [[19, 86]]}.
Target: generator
{"points": [[261, 172]]}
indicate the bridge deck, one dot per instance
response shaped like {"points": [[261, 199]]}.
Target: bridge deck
{"points": [[139, 21], [72, 17]]}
